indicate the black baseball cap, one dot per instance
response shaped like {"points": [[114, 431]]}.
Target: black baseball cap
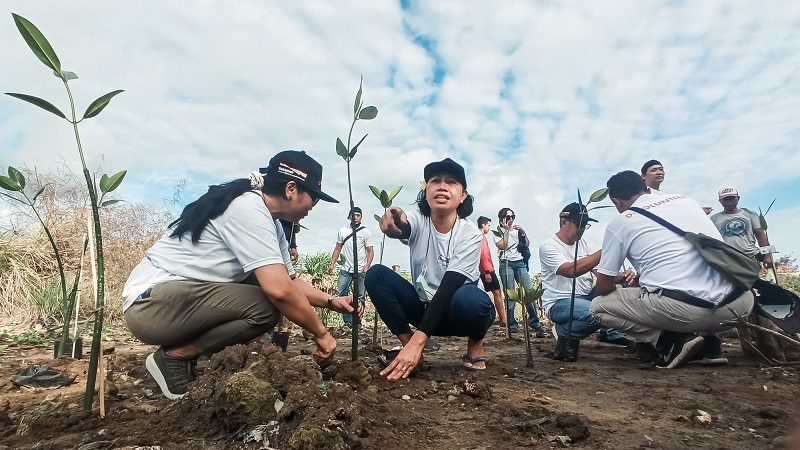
{"points": [[446, 166], [356, 209], [297, 166], [574, 212]]}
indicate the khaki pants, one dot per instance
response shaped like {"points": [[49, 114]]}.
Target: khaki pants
{"points": [[208, 316], [642, 315]]}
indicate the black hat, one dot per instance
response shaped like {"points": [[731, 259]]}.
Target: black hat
{"points": [[446, 166], [648, 164], [297, 166], [356, 209], [574, 212]]}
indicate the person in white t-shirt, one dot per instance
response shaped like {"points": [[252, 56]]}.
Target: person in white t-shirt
{"points": [[679, 294], [365, 255], [222, 275], [443, 298], [559, 267]]}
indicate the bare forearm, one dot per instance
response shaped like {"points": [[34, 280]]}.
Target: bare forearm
{"points": [[582, 266]]}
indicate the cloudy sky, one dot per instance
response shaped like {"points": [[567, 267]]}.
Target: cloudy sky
{"points": [[537, 99]]}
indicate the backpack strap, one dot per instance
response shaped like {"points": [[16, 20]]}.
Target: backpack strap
{"points": [[351, 234], [659, 220]]}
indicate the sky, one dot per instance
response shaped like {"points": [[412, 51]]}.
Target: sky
{"points": [[537, 99]]}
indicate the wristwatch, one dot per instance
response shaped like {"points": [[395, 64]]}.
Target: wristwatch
{"points": [[330, 301]]}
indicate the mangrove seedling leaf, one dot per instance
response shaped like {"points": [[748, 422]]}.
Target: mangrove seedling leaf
{"points": [[110, 202], [384, 199], [377, 217], [341, 150], [37, 42], [355, 147], [17, 176], [513, 295], [66, 75], [99, 104], [375, 191], [394, 192], [368, 113], [598, 195], [41, 103], [762, 220], [9, 184], [357, 103], [108, 184]]}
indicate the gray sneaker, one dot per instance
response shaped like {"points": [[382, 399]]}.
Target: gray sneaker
{"points": [[172, 375]]}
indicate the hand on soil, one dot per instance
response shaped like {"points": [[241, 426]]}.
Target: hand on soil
{"points": [[326, 346], [406, 360]]}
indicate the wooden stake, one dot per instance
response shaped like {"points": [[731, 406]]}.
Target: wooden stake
{"points": [[91, 255], [78, 297]]}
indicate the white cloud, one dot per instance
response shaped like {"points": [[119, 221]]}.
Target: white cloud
{"points": [[538, 99]]}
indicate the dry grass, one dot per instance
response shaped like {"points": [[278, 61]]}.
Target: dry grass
{"points": [[29, 281]]}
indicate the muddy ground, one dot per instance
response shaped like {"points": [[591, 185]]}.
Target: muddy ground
{"points": [[607, 400]]}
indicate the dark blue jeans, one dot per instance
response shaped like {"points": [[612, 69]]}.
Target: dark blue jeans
{"points": [[469, 314], [516, 270]]}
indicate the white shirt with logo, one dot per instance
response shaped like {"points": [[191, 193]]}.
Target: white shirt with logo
{"points": [[663, 259], [363, 241], [553, 253]]}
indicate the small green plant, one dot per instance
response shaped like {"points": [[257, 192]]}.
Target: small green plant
{"points": [[360, 112], [45, 53], [527, 297], [386, 202], [31, 337]]}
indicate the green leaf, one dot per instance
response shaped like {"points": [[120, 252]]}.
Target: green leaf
{"points": [[110, 202], [37, 42], [377, 217], [763, 221], [41, 103], [355, 147], [770, 205], [598, 195], [66, 75], [99, 104], [357, 103], [384, 199], [375, 191], [497, 233], [580, 202], [38, 194], [513, 295], [17, 176], [9, 184], [108, 184], [368, 113], [394, 192], [341, 150]]}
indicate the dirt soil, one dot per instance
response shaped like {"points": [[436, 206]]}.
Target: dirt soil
{"points": [[253, 397]]}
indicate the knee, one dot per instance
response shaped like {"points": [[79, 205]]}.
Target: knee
{"points": [[374, 274]]}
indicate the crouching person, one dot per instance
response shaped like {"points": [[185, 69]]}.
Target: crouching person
{"points": [[189, 295], [444, 299], [556, 257], [680, 295]]}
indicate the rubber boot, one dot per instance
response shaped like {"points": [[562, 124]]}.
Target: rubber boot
{"points": [[561, 348], [571, 349]]}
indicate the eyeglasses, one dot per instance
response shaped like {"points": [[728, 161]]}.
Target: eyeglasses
{"points": [[510, 216]]}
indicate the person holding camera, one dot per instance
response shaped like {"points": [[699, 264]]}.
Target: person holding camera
{"points": [[514, 255]]}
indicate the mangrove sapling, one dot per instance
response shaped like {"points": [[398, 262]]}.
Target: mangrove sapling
{"points": [[527, 297], [596, 196], [45, 53], [771, 248], [386, 202], [348, 153]]}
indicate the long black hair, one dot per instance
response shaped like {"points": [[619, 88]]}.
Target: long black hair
{"points": [[464, 208], [196, 215]]}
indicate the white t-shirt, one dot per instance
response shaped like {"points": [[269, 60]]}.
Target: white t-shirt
{"points": [[243, 238], [663, 259], [553, 253], [363, 240], [511, 252], [434, 253]]}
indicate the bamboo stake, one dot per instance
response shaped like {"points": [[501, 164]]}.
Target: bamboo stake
{"points": [[91, 256], [78, 299]]}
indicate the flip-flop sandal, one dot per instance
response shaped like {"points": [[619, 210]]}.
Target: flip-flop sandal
{"points": [[468, 363]]}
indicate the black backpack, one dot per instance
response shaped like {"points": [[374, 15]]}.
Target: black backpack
{"points": [[524, 249]]}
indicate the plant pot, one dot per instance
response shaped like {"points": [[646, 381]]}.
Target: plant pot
{"points": [[74, 351], [281, 339]]}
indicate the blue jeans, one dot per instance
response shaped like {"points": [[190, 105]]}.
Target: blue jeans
{"points": [[469, 314], [583, 324], [516, 270], [345, 282]]}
